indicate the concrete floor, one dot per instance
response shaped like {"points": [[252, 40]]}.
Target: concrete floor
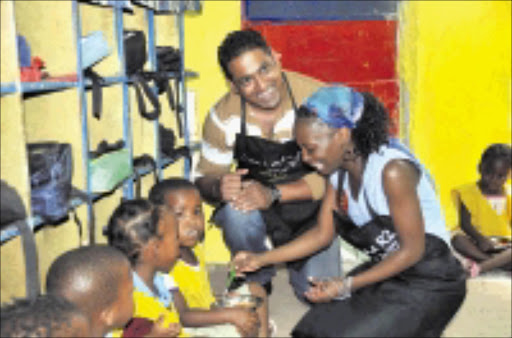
{"points": [[486, 311]]}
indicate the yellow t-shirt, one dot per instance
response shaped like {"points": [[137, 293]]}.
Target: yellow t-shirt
{"points": [[193, 281], [148, 306], [483, 216]]}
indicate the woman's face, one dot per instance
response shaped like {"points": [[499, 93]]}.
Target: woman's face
{"points": [[322, 147], [187, 206], [257, 77]]}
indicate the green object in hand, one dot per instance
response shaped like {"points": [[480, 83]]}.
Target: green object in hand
{"points": [[231, 277]]}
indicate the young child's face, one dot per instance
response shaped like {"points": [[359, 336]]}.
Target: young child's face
{"points": [[167, 245], [494, 174], [187, 205]]}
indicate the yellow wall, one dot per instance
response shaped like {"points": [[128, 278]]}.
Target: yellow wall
{"points": [[455, 66], [204, 33]]}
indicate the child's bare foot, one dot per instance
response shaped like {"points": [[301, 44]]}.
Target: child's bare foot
{"points": [[472, 268]]}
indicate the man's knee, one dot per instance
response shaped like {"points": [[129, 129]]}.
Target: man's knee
{"points": [[241, 229]]}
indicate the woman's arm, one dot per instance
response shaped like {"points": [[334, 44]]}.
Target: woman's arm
{"points": [[400, 179], [308, 243]]}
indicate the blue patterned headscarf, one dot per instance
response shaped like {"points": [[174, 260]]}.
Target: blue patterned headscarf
{"points": [[337, 106]]}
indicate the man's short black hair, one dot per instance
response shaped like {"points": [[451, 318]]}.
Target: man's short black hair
{"points": [[161, 189], [88, 276], [45, 316], [236, 43]]}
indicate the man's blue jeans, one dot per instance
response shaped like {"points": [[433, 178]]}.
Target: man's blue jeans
{"points": [[246, 231]]}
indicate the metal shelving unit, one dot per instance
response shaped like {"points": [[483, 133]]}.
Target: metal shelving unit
{"points": [[82, 84]]}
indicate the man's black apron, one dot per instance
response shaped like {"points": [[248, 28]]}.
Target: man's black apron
{"points": [[271, 162], [418, 302]]}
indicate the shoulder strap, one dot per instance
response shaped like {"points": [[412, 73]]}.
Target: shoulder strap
{"points": [[289, 89], [33, 288], [138, 83], [97, 95]]}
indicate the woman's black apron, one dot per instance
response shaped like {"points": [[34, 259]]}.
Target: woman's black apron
{"points": [[418, 302], [271, 162]]}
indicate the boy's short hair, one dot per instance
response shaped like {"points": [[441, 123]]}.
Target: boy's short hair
{"points": [[237, 43], [132, 224], [87, 276], [44, 316], [161, 189]]}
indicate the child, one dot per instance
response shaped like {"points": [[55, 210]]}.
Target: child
{"points": [[485, 214], [97, 280], [194, 299], [147, 235], [45, 316]]}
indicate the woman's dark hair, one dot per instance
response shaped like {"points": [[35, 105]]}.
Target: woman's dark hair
{"points": [[132, 224], [236, 43], [495, 152], [371, 131], [161, 189]]}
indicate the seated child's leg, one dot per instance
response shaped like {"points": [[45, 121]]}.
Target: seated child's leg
{"points": [[500, 260], [468, 248], [257, 290]]}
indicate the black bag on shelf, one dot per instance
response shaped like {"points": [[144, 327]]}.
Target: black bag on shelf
{"points": [[168, 144], [135, 57], [139, 163], [51, 170], [169, 60], [12, 212]]}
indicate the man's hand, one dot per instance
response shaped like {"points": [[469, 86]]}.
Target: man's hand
{"points": [[254, 196], [231, 185], [245, 261], [322, 291], [245, 320]]}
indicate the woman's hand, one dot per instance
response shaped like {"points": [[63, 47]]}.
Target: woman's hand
{"points": [[323, 290], [245, 261], [246, 321]]}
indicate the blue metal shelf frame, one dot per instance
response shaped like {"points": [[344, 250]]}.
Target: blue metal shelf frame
{"points": [[77, 27], [127, 130], [82, 84]]}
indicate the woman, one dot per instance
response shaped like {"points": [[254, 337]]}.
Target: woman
{"points": [[386, 206]]}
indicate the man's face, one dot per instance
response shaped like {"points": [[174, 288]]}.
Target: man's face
{"points": [[256, 76]]}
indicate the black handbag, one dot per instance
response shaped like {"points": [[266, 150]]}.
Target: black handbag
{"points": [[135, 57]]}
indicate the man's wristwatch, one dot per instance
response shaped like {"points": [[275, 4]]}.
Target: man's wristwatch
{"points": [[275, 194]]}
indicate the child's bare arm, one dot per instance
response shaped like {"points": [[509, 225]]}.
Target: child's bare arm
{"points": [[484, 243], [245, 320]]}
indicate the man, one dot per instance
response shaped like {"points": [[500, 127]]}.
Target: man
{"points": [[272, 192]]}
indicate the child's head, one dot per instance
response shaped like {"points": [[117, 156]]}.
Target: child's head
{"points": [[145, 233], [494, 167], [45, 316], [97, 279], [182, 197]]}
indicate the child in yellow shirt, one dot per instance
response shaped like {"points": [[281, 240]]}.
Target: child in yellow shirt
{"points": [[195, 300], [485, 214], [148, 236]]}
